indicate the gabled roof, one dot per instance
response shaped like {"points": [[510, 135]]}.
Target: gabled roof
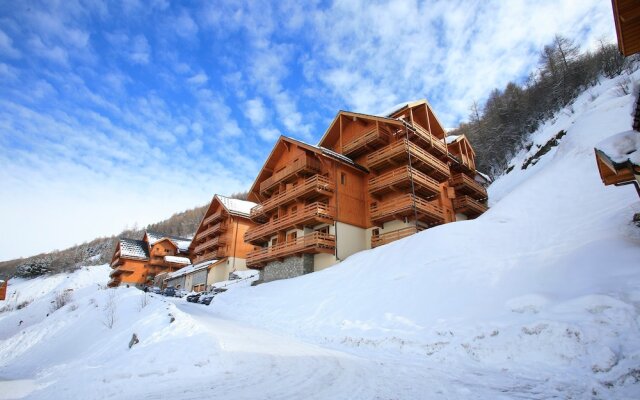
{"points": [[132, 248], [189, 269], [352, 114], [451, 139], [401, 106], [181, 243], [316, 149], [236, 206]]}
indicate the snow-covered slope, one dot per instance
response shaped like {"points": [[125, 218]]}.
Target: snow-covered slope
{"points": [[538, 298]]}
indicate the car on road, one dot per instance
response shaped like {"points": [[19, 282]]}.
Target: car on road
{"points": [[206, 298], [181, 293], [169, 291], [193, 298]]}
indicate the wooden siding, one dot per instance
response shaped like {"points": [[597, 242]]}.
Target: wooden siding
{"points": [[626, 15]]}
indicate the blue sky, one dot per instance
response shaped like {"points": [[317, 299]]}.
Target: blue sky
{"points": [[121, 113]]}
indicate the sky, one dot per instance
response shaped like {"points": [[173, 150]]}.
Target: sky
{"points": [[119, 114]]}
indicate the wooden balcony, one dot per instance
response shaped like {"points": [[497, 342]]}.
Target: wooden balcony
{"points": [[316, 185], [428, 141], [312, 214], [468, 206], [464, 184], [399, 179], [214, 254], [369, 140], [122, 269], [214, 217], [213, 242], [305, 165], [385, 238], [220, 227], [309, 244], [398, 153], [462, 163], [403, 206]]}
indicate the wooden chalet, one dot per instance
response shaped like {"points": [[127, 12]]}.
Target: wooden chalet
{"points": [[219, 237], [626, 15], [3, 289], [137, 262], [370, 181]]}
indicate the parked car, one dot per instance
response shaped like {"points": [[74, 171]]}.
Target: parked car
{"points": [[156, 290], [193, 298], [206, 298], [219, 290], [169, 291], [181, 293]]}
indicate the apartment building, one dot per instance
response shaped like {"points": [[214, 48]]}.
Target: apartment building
{"points": [[218, 243], [137, 262], [371, 180]]}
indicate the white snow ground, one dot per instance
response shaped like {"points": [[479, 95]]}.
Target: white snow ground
{"points": [[538, 298]]}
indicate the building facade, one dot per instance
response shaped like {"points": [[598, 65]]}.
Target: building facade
{"points": [[371, 180], [137, 262], [219, 239]]}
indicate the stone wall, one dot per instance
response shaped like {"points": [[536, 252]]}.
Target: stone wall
{"points": [[288, 268]]}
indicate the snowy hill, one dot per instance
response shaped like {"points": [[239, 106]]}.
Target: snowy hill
{"points": [[538, 298]]}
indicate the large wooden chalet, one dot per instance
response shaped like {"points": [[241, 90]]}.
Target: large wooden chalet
{"points": [[370, 181], [137, 262], [219, 238]]}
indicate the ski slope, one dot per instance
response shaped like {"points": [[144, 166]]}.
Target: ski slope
{"points": [[537, 298]]}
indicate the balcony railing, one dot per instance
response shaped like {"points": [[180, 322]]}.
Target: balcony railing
{"points": [[371, 139], [403, 206], [400, 179], [464, 161], [314, 243], [384, 238], [214, 242], [210, 255], [399, 152], [464, 184], [311, 213], [468, 206], [303, 165], [122, 269], [214, 217], [221, 226], [316, 184], [428, 140]]}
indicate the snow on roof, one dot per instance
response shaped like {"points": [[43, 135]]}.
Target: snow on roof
{"points": [[452, 138], [134, 248], [189, 269], [237, 206], [484, 176], [177, 260], [181, 242], [622, 147], [331, 153], [392, 110]]}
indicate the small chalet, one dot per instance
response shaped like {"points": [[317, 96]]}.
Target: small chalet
{"points": [[137, 262], [218, 243]]}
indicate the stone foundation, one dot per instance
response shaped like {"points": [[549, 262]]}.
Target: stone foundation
{"points": [[288, 268]]}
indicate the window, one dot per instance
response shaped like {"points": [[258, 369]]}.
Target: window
{"points": [[292, 236], [375, 232], [343, 178], [324, 229], [274, 241]]}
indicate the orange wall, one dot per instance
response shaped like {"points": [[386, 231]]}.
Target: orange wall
{"points": [[3, 290], [139, 276]]}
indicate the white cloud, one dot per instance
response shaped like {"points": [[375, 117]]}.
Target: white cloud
{"points": [[256, 111], [198, 79], [6, 46], [185, 26], [139, 50]]}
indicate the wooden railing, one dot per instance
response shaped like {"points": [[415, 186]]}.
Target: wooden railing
{"points": [[121, 269], [375, 137], [311, 212], [218, 240], [384, 238], [215, 254], [464, 160], [469, 206], [213, 217], [316, 183], [314, 243], [428, 139], [400, 150], [464, 183], [403, 206], [219, 227], [403, 174], [303, 164]]}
